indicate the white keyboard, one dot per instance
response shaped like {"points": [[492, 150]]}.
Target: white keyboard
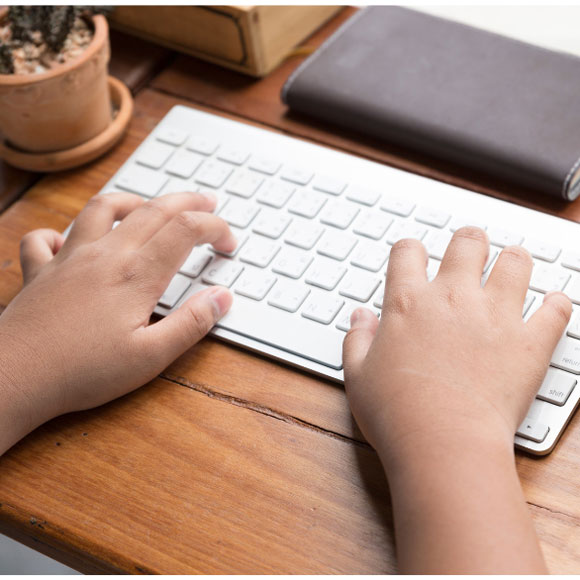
{"points": [[315, 228]]}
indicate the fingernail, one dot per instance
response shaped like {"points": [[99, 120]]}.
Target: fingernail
{"points": [[221, 299]]}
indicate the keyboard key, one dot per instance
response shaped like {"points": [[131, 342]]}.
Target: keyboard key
{"points": [[541, 250], [277, 328], [244, 184], [303, 234], [432, 217], [141, 180], [336, 245], [493, 253], [503, 238], [275, 193], [288, 296], [292, 262], [343, 321], [154, 154], [533, 430], [299, 175], [363, 196], [461, 222], [196, 262], [203, 145], [574, 327], [329, 184], [254, 283], [233, 155], [325, 273], [222, 272], [171, 135], [528, 301], [213, 173], [379, 297], [175, 290], [567, 355], [573, 290], [259, 251], [409, 229], [322, 308], [238, 213], [271, 223], [436, 243], [556, 387], [370, 256], [398, 206], [339, 214], [176, 185], [184, 164], [433, 266], [241, 237], [548, 278], [372, 225], [359, 286], [306, 203], [265, 165], [571, 260]]}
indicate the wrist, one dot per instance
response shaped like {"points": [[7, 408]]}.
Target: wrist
{"points": [[25, 401], [452, 445]]}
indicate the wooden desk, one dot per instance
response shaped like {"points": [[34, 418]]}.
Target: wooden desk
{"points": [[227, 462]]}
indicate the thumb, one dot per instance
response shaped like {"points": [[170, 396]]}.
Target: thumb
{"points": [[187, 325], [363, 327], [36, 249]]}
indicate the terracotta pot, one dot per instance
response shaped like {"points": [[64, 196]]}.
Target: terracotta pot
{"points": [[61, 108]]}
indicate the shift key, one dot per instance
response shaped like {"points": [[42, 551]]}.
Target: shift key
{"points": [[567, 355]]}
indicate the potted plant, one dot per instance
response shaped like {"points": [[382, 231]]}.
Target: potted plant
{"points": [[57, 103]]}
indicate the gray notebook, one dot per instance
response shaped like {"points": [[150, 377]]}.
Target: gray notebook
{"points": [[476, 98]]}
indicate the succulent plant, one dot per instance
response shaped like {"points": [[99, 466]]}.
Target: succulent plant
{"points": [[6, 63], [53, 22]]}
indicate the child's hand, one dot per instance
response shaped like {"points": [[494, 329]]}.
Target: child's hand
{"points": [[78, 334], [450, 359]]}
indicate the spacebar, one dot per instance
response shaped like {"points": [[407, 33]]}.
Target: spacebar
{"points": [[289, 332]]}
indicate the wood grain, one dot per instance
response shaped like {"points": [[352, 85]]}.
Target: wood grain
{"points": [[169, 480], [228, 462]]}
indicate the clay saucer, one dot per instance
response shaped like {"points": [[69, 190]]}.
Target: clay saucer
{"points": [[122, 103]]}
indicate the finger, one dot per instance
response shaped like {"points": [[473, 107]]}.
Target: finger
{"points": [[407, 266], [549, 322], [167, 250], [143, 223], [172, 336], [36, 249], [509, 280], [99, 215], [358, 340], [465, 256]]}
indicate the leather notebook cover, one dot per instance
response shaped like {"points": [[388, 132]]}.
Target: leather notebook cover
{"points": [[476, 98]]}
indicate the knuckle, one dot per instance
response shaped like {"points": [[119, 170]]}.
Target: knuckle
{"points": [[130, 269], [98, 201], [197, 325], [561, 306], [188, 221], [518, 255], [157, 208], [401, 301], [407, 244], [471, 233]]}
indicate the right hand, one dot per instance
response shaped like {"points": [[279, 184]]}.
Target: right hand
{"points": [[450, 360]]}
